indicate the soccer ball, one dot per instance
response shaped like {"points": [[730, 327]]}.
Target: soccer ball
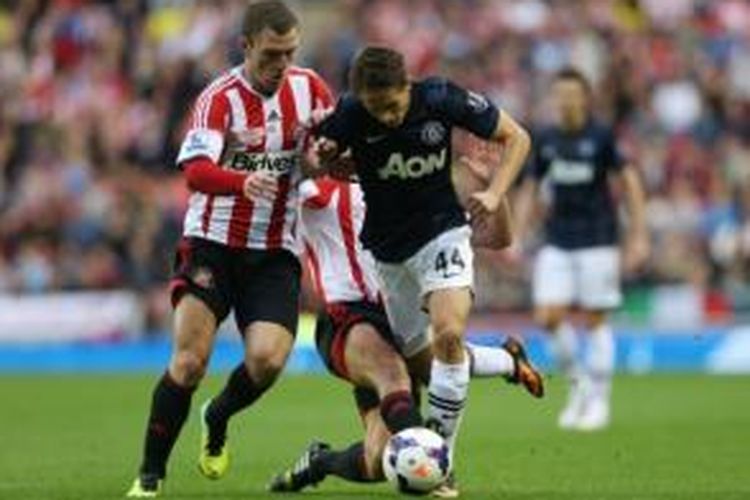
{"points": [[416, 460]]}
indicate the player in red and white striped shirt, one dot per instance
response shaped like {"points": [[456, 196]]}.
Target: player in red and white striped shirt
{"points": [[241, 158], [256, 140], [332, 214]]}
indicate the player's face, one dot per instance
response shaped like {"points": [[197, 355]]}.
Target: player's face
{"points": [[268, 56], [572, 102], [388, 106]]}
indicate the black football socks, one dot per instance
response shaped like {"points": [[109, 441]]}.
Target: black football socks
{"points": [[170, 406]]}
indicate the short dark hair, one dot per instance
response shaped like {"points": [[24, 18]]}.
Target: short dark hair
{"points": [[263, 14], [574, 74], [377, 68]]}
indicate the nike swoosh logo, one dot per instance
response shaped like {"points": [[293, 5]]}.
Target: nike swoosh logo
{"points": [[374, 139]]}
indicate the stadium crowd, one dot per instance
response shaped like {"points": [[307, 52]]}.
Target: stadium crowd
{"points": [[93, 94]]}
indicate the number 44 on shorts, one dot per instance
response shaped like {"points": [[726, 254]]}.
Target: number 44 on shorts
{"points": [[449, 263]]}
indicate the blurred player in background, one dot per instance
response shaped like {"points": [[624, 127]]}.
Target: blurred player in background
{"points": [[241, 159], [580, 261], [399, 136], [354, 337]]}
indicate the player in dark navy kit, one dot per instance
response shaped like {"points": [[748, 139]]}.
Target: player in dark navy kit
{"points": [[398, 134], [580, 261]]}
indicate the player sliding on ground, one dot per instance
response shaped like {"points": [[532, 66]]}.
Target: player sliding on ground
{"points": [[355, 340], [580, 261], [241, 160], [399, 135]]}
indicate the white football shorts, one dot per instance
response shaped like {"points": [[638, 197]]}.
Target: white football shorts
{"points": [[445, 262], [588, 277]]}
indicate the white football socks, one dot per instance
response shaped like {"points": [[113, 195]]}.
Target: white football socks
{"points": [[489, 361], [447, 392], [600, 361], [564, 343]]}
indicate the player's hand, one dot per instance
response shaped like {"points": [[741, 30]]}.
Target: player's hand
{"points": [[342, 166], [260, 185], [326, 149], [637, 251], [317, 155], [481, 206], [495, 231]]}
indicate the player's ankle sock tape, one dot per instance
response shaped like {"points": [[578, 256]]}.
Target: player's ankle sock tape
{"points": [[348, 464], [399, 411], [239, 393], [170, 406]]}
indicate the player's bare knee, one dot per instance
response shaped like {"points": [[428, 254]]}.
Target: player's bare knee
{"points": [[264, 366], [448, 343], [188, 368]]}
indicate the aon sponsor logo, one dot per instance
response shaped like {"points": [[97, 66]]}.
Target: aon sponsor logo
{"points": [[413, 167], [279, 163], [571, 172]]}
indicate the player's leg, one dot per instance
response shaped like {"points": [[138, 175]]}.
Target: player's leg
{"points": [[508, 361], [267, 346], [373, 362], [199, 294], [266, 300], [445, 271], [449, 374], [599, 293], [361, 462], [363, 354], [553, 293]]}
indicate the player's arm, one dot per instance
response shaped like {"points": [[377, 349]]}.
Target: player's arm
{"points": [[517, 143], [324, 151], [525, 203], [527, 196], [476, 114], [471, 177], [637, 244], [202, 147], [330, 150], [316, 194], [205, 176]]}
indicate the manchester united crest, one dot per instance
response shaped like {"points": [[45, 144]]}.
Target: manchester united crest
{"points": [[433, 133]]}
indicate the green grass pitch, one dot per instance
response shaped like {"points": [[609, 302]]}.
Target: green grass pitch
{"points": [[673, 437]]}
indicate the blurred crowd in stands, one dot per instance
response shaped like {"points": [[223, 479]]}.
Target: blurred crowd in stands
{"points": [[93, 95]]}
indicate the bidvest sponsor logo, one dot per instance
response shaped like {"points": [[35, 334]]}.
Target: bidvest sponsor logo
{"points": [[277, 163], [413, 167]]}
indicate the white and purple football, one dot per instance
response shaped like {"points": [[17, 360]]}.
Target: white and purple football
{"points": [[416, 460]]}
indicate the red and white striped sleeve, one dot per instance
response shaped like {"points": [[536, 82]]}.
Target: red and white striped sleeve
{"points": [[207, 126], [315, 194], [321, 93]]}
